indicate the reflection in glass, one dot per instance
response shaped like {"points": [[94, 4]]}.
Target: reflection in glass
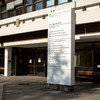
{"points": [[38, 5], [84, 59], [28, 9], [19, 11], [3, 8], [50, 3], [73, 0], [62, 1], [11, 13], [29, 1], [30, 61], [3, 16]]}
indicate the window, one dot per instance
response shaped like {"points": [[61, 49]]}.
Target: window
{"points": [[28, 9], [18, 11], [50, 3], [39, 5], [62, 1], [97, 59], [1, 57], [83, 58], [84, 55], [84, 46], [3, 8], [3, 12], [4, 15], [73, 0], [28, 1], [97, 46], [11, 13], [28, 6]]}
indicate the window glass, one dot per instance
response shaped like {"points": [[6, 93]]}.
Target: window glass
{"points": [[1, 57], [28, 1], [19, 11], [62, 1], [50, 3], [3, 16], [83, 46], [73, 0], [97, 59], [3, 8], [75, 60], [11, 13], [84, 58], [28, 9], [38, 5], [97, 46]]}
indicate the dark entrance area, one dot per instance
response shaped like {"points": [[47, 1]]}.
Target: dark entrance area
{"points": [[87, 62], [1, 60], [97, 60], [29, 61]]}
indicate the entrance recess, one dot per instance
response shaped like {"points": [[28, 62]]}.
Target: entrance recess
{"points": [[30, 61], [97, 60], [1, 60], [36, 65], [87, 62]]}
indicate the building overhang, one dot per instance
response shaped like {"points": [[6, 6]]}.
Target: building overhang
{"points": [[27, 43], [42, 42], [88, 37]]}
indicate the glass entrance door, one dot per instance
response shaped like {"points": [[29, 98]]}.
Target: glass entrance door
{"points": [[40, 62], [29, 61], [97, 60], [36, 67], [36, 62], [40, 65]]}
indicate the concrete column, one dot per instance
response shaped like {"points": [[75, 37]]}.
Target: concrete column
{"points": [[7, 61]]}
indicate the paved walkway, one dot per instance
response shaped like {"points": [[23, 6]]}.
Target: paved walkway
{"points": [[35, 88], [1, 90]]}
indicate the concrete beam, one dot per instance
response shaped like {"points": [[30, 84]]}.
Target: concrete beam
{"points": [[82, 3], [89, 16], [25, 42]]}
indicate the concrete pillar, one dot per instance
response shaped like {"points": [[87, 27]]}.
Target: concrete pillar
{"points": [[7, 61]]}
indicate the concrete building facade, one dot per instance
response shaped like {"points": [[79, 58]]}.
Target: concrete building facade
{"points": [[24, 36]]}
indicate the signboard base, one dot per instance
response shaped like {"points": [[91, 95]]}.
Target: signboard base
{"points": [[61, 87]]}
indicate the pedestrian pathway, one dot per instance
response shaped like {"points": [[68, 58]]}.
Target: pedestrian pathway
{"points": [[36, 88], [1, 90]]}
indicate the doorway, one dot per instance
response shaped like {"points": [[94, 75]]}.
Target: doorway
{"points": [[37, 63], [97, 60], [30, 61], [1, 60]]}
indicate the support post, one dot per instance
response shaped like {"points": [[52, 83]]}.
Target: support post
{"points": [[7, 62]]}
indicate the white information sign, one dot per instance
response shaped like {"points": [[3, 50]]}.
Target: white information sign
{"points": [[61, 48]]}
